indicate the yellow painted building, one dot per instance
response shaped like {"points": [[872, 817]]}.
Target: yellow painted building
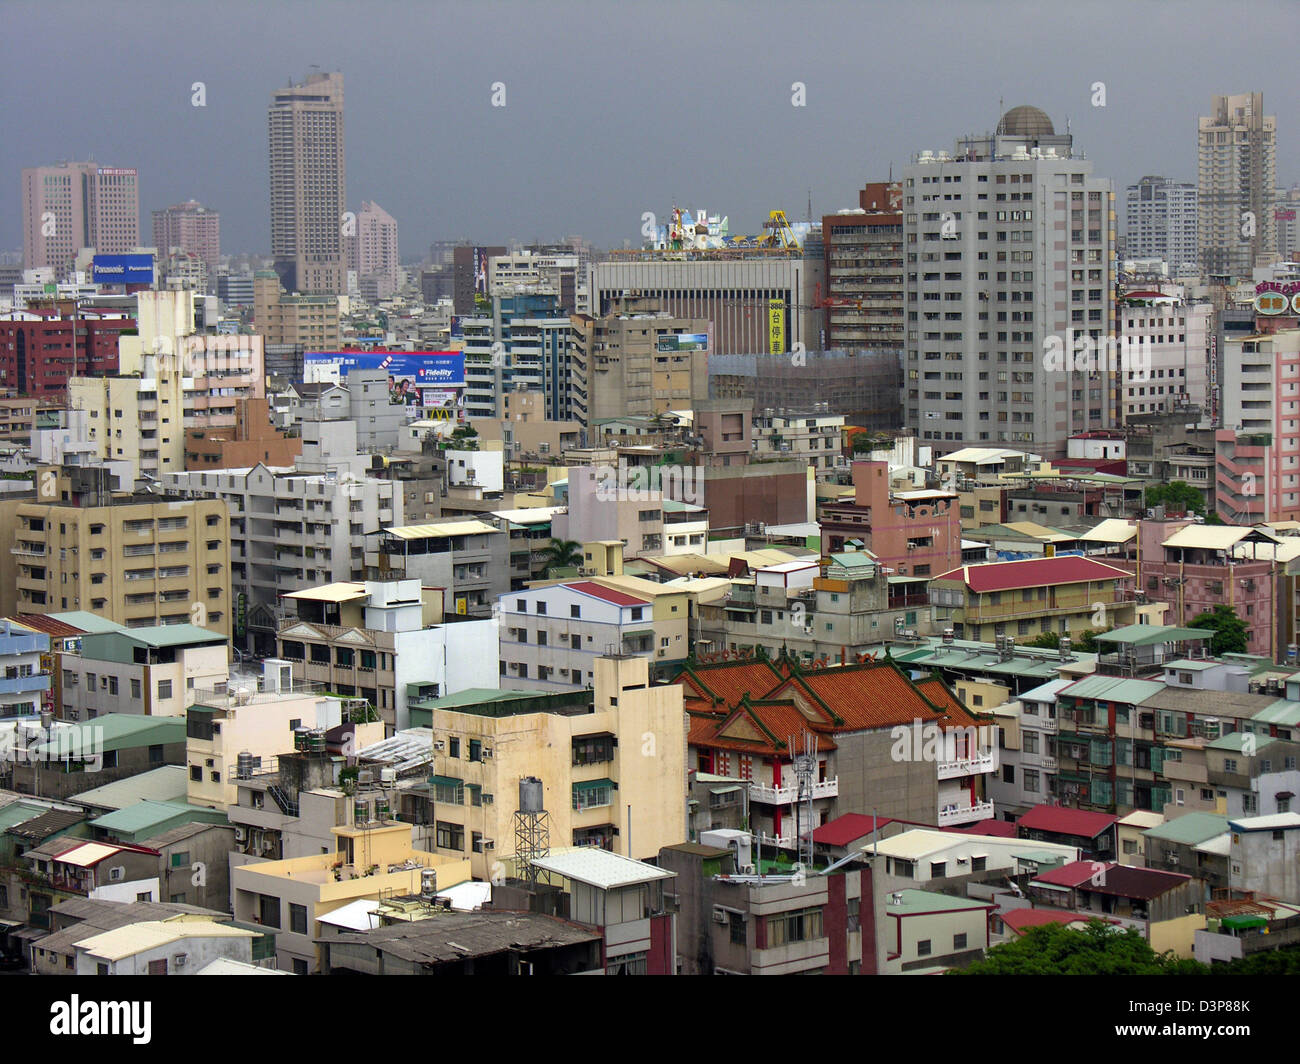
{"points": [[615, 772], [128, 558], [1024, 599], [370, 860]]}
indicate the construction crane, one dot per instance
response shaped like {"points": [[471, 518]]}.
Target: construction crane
{"points": [[779, 233]]}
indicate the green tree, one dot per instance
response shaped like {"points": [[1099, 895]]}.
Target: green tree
{"points": [[1229, 629], [1097, 949], [562, 554], [1051, 640], [1177, 497]]}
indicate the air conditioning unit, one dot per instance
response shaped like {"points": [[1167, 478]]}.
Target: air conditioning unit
{"points": [[489, 844], [268, 845], [439, 744], [487, 753], [241, 834], [180, 959], [721, 916]]}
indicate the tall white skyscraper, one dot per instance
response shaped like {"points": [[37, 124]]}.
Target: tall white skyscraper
{"points": [[1237, 176], [1010, 256], [308, 185], [372, 251], [1160, 222]]}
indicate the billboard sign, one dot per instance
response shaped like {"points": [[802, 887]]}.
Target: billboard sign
{"points": [[122, 269], [415, 378], [683, 342], [480, 271], [776, 326], [1272, 297]]}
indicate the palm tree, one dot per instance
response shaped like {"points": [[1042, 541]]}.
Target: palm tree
{"points": [[562, 554]]}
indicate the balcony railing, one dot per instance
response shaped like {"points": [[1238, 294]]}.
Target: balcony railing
{"points": [[967, 766], [759, 792], [965, 814]]}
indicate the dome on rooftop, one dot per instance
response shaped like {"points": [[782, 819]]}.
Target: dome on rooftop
{"points": [[1025, 121]]}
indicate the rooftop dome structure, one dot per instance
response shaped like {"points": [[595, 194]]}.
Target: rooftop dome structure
{"points": [[1025, 121]]}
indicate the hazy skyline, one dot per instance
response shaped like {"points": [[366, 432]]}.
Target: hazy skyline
{"points": [[612, 111]]}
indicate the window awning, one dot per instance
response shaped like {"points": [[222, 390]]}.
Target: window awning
{"points": [[445, 781], [641, 631], [594, 785], [725, 790]]}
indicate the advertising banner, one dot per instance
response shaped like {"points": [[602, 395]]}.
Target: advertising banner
{"points": [[776, 326], [122, 269]]}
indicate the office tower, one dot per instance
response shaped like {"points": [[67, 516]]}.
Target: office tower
{"points": [[1237, 174], [1160, 222], [308, 185], [193, 229], [71, 206], [1010, 246]]}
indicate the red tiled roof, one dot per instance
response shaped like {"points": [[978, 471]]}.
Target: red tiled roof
{"points": [[1021, 920], [942, 696], [1062, 821], [732, 680], [1032, 572], [39, 622], [618, 598], [771, 725], [1124, 881], [845, 829], [1002, 829], [871, 695]]}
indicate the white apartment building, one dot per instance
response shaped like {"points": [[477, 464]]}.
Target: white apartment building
{"points": [[1010, 243], [295, 528], [1176, 334], [1161, 223], [812, 436]]}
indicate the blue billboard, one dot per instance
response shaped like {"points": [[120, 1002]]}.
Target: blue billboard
{"points": [[122, 269], [414, 377]]}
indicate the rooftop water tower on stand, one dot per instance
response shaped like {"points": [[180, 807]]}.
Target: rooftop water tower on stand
{"points": [[532, 830]]}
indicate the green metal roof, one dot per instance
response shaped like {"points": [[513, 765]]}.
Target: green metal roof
{"points": [[1144, 635], [88, 622], [1113, 689], [117, 731], [1236, 740], [170, 635], [472, 696], [1279, 712], [926, 901], [164, 784], [16, 813], [1190, 829], [855, 559], [1189, 665], [155, 817]]}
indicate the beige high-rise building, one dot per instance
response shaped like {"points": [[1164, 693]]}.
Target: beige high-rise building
{"points": [[1237, 175], [193, 229], [308, 185], [311, 322], [642, 364], [372, 252], [78, 205], [169, 379], [77, 543]]}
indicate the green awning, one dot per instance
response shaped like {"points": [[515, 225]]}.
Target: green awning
{"points": [[724, 790], [592, 785], [641, 631], [1241, 923], [445, 781]]}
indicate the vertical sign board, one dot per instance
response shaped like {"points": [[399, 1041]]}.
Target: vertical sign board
{"points": [[776, 326]]}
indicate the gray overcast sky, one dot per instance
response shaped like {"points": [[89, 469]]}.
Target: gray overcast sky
{"points": [[614, 108]]}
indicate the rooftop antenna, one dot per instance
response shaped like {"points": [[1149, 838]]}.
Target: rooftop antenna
{"points": [[805, 766]]}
